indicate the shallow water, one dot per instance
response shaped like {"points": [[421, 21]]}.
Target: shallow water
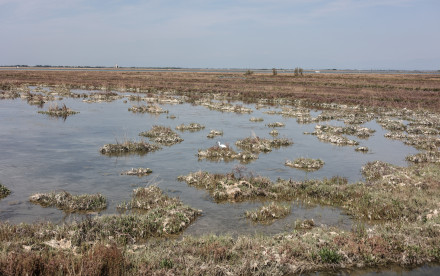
{"points": [[42, 154]]}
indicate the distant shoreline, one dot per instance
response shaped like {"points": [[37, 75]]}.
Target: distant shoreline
{"points": [[217, 70]]}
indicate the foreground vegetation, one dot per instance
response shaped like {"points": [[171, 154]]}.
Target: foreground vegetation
{"points": [[404, 199]]}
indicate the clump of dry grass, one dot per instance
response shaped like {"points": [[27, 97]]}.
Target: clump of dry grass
{"points": [[305, 163], [59, 111], [276, 124], [304, 224], [361, 132], [224, 106], [214, 133], [162, 135], [168, 215], [128, 146], [269, 212], [216, 153], [151, 108], [432, 156], [256, 144], [255, 119], [4, 191], [70, 203]]}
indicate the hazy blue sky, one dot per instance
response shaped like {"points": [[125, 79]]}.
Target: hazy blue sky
{"points": [[358, 34]]}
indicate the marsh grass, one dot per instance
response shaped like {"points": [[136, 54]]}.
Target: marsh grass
{"points": [[59, 111], [216, 153], [390, 193], [405, 199], [256, 144], [276, 124], [268, 213], [4, 191], [432, 156], [304, 224], [295, 252], [70, 203], [213, 133], [305, 163], [168, 214], [162, 135], [151, 108], [256, 119], [129, 146]]}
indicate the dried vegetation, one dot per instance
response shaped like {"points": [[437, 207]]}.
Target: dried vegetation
{"points": [[4, 191], [162, 135], [128, 147], [70, 203], [269, 212], [308, 164]]}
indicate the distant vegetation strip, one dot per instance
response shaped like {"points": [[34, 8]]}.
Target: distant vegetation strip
{"points": [[412, 91]]}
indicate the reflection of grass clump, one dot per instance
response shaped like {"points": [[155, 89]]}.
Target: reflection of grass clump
{"points": [[190, 127], [305, 163], [128, 147], [138, 171], [4, 192], [269, 212], [70, 203]]}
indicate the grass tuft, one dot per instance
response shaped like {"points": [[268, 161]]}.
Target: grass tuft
{"points": [[269, 212], [70, 203], [4, 191]]}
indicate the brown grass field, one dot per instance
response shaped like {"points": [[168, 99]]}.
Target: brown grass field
{"points": [[413, 91]]}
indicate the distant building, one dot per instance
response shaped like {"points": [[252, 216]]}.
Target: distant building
{"points": [[116, 66]]}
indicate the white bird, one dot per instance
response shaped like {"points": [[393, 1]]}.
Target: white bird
{"points": [[222, 146]]}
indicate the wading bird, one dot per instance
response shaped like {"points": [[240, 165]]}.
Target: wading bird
{"points": [[222, 146]]}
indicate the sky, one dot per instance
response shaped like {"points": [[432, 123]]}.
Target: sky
{"points": [[311, 34]]}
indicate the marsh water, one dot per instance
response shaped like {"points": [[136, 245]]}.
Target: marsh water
{"points": [[39, 153]]}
